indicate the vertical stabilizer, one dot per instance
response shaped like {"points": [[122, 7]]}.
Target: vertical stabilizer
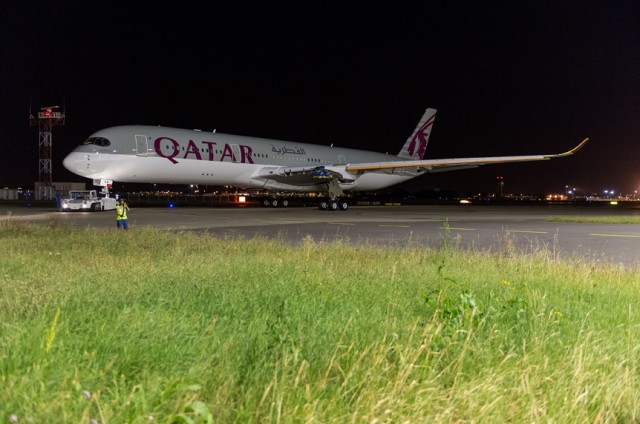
{"points": [[416, 145]]}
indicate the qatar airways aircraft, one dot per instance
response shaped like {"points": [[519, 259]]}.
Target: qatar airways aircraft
{"points": [[148, 154]]}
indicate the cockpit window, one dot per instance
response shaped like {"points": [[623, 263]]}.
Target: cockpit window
{"points": [[98, 141]]}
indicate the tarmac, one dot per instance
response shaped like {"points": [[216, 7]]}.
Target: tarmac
{"points": [[491, 228]]}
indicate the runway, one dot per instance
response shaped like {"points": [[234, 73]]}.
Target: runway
{"points": [[479, 227]]}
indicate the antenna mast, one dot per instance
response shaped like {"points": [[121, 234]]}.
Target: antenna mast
{"points": [[48, 117]]}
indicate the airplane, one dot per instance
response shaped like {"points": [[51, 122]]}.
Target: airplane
{"points": [[155, 154]]}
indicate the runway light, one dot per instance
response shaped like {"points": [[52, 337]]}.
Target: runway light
{"points": [[615, 202], [170, 205], [465, 201]]}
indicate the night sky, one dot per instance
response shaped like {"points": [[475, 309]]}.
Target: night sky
{"points": [[507, 78]]}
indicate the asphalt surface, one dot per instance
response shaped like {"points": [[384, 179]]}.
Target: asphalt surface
{"points": [[479, 227]]}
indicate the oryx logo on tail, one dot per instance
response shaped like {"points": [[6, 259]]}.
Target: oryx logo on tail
{"points": [[416, 145]]}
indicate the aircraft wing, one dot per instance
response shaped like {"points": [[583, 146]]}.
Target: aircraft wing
{"points": [[309, 175], [441, 165], [303, 175]]}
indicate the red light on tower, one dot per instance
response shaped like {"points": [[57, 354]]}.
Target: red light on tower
{"points": [[500, 186]]}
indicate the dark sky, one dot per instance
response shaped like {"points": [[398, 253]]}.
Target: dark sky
{"points": [[507, 78]]}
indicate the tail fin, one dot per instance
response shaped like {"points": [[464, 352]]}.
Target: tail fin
{"points": [[416, 145]]}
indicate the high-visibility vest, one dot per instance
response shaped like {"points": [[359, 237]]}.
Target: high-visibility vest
{"points": [[121, 212]]}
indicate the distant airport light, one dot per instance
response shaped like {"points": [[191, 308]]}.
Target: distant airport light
{"points": [[242, 199]]}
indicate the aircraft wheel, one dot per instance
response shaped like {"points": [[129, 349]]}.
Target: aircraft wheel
{"points": [[343, 205], [324, 205], [274, 203], [266, 202], [284, 203], [93, 207], [333, 205]]}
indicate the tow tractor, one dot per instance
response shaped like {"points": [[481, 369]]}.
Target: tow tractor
{"points": [[87, 200]]}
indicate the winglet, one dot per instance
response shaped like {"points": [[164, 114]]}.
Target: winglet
{"points": [[570, 152]]}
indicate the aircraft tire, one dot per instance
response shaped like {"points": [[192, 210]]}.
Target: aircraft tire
{"points": [[343, 205], [333, 205], [324, 205], [284, 203], [266, 202], [274, 203]]}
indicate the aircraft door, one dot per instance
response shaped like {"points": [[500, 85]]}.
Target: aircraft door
{"points": [[142, 148]]}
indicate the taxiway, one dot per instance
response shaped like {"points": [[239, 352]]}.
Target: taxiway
{"points": [[480, 227]]}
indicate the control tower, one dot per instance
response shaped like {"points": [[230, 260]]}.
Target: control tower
{"points": [[48, 117]]}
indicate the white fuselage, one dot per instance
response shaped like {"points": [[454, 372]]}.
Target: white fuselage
{"points": [[149, 154]]}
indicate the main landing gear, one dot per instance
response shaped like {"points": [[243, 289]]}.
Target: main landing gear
{"points": [[275, 202], [333, 201], [333, 205]]}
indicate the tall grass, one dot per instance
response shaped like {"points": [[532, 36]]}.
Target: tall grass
{"points": [[148, 326]]}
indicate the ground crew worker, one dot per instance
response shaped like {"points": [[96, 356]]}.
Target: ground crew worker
{"points": [[121, 215]]}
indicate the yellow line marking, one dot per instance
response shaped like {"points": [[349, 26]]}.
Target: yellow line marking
{"points": [[457, 228], [527, 231], [616, 235], [395, 226]]}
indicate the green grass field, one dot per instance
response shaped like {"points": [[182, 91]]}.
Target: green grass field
{"points": [[586, 219], [149, 326]]}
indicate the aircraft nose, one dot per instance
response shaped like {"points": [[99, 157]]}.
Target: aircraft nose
{"points": [[73, 162], [68, 162]]}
